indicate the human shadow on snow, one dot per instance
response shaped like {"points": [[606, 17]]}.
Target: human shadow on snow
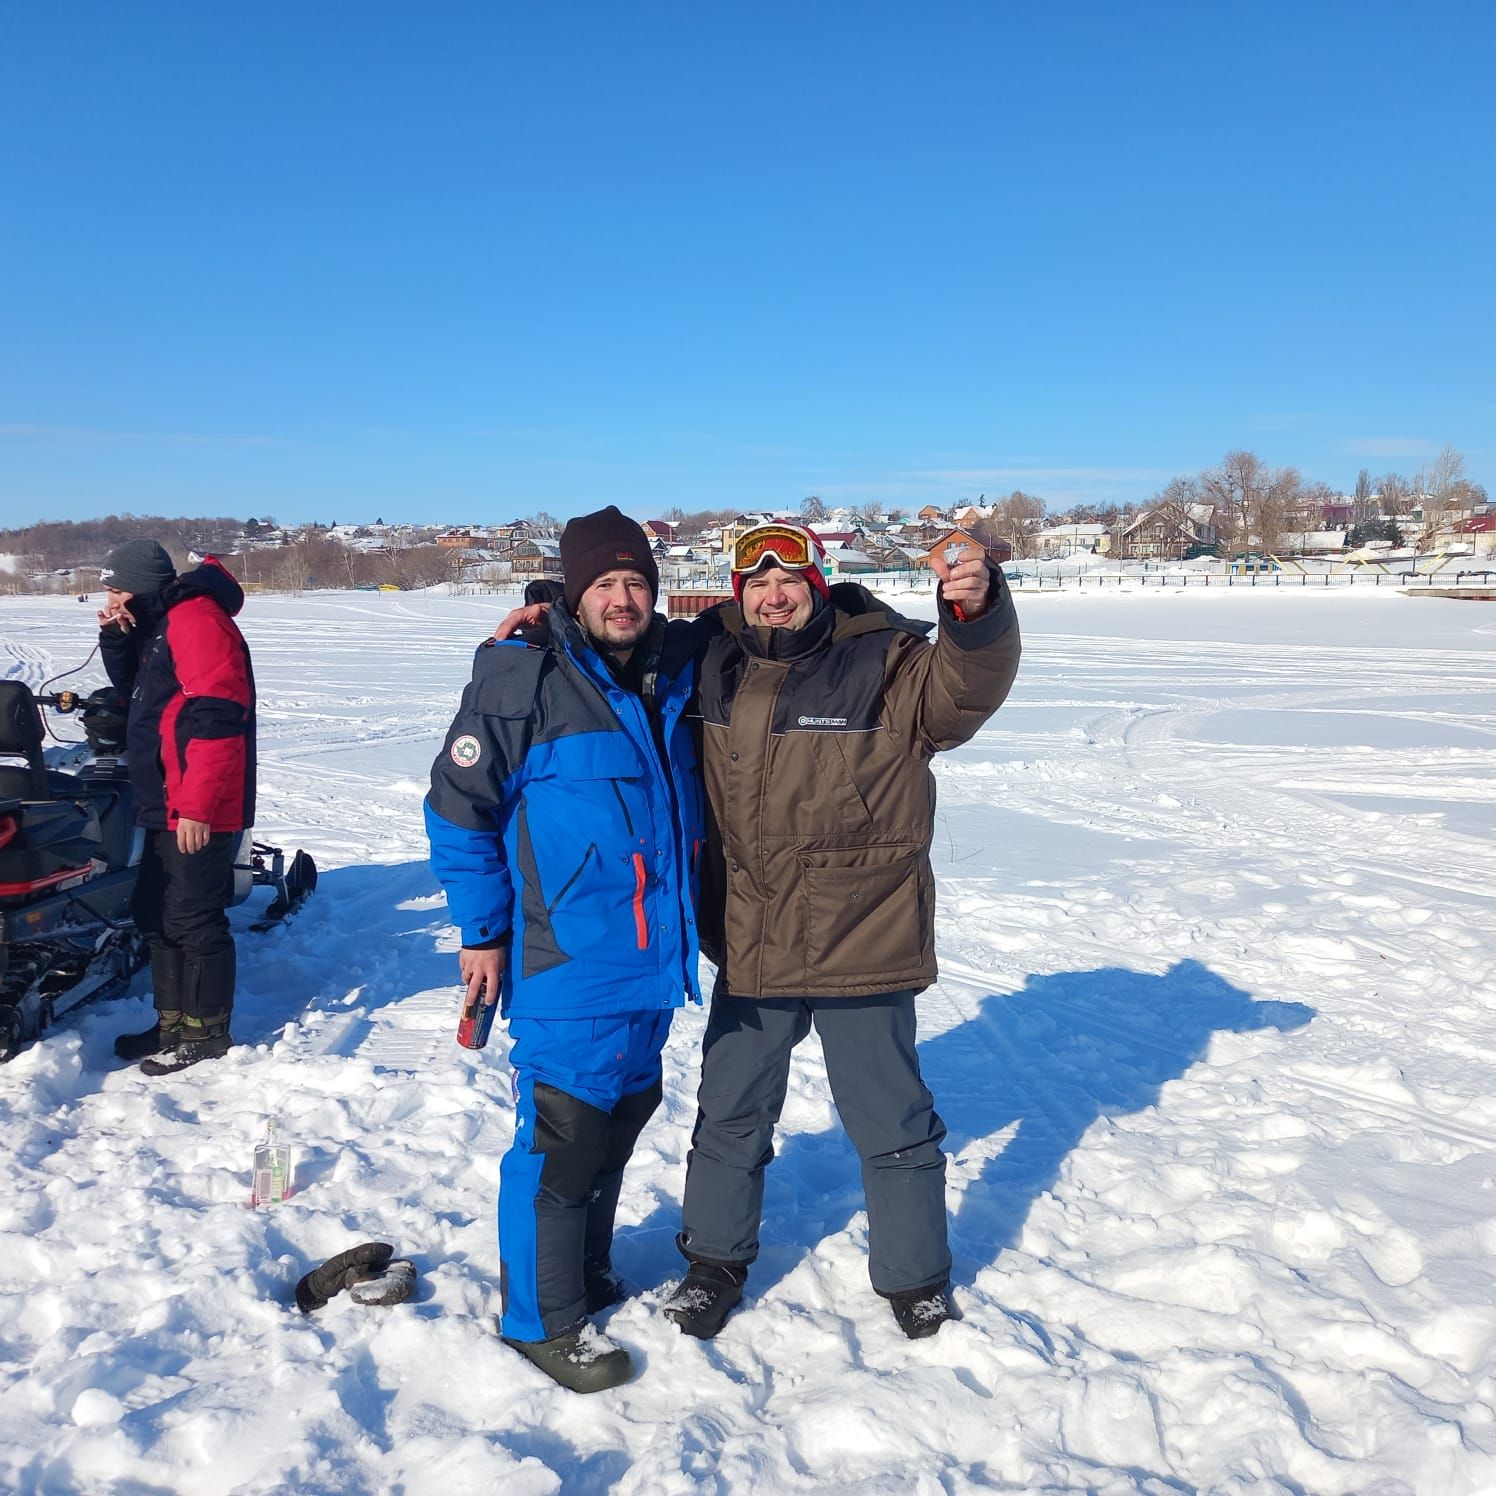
{"points": [[1046, 1062], [362, 941]]}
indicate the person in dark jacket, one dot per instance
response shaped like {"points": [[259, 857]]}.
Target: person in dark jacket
{"points": [[565, 822], [171, 645], [820, 709], [818, 902]]}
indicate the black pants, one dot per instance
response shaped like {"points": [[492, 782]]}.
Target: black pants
{"points": [[886, 1108], [180, 907]]}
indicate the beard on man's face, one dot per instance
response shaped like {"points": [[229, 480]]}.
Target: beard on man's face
{"points": [[617, 624]]}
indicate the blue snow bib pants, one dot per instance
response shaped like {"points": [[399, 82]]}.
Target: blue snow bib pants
{"points": [[566, 819]]}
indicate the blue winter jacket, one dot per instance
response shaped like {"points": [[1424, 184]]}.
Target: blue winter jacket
{"points": [[554, 823]]}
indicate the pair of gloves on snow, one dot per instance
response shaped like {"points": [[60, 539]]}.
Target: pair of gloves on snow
{"points": [[370, 1272]]}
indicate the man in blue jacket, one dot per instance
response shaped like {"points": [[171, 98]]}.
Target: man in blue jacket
{"points": [[565, 821]]}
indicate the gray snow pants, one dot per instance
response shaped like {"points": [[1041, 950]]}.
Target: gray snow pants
{"points": [[886, 1108]]}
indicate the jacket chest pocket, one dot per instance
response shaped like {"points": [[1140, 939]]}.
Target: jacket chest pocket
{"points": [[863, 921], [597, 856]]}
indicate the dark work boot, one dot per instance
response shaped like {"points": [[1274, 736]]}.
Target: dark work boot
{"points": [[160, 1038], [704, 1298], [582, 1360], [921, 1311], [198, 1039], [166, 992]]}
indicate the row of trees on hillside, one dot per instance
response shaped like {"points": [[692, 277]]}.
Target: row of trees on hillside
{"points": [[1247, 502], [1252, 503], [57, 543], [315, 560]]}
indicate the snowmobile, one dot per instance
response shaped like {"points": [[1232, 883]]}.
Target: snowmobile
{"points": [[69, 860]]}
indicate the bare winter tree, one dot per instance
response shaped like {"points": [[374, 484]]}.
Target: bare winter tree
{"points": [[1280, 507], [812, 510], [1438, 478], [1232, 490], [870, 513], [1175, 505], [1449, 493], [1363, 496], [1014, 519], [1394, 495]]}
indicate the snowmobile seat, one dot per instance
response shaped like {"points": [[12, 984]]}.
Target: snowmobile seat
{"points": [[21, 737], [27, 783]]}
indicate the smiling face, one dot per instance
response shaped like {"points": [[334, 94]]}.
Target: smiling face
{"points": [[616, 609], [774, 598]]}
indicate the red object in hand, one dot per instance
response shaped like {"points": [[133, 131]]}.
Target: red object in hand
{"points": [[476, 1021]]}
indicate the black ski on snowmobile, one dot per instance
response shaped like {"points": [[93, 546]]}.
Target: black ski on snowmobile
{"points": [[69, 861]]}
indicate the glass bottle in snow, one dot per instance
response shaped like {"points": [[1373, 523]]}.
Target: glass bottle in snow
{"points": [[271, 1179]]}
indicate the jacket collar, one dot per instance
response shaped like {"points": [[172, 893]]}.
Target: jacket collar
{"points": [[211, 579], [664, 652]]}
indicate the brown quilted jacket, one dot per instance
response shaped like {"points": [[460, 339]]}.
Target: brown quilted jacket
{"points": [[816, 746]]}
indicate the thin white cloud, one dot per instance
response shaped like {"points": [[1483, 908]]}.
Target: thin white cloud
{"points": [[1390, 446], [88, 434], [965, 477]]}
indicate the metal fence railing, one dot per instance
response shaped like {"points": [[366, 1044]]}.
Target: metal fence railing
{"points": [[1053, 581]]}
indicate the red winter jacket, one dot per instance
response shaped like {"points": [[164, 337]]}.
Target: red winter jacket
{"points": [[191, 733]]}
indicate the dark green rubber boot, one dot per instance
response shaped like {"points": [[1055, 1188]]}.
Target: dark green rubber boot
{"points": [[582, 1360]]}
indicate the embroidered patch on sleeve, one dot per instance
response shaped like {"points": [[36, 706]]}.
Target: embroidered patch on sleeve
{"points": [[466, 751]]}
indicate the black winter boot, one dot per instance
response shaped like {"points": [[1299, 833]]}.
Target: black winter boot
{"points": [[582, 1360], [198, 1039], [160, 1038], [166, 993], [704, 1298], [921, 1311]]}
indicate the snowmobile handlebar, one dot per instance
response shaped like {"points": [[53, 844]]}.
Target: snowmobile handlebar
{"points": [[64, 702]]}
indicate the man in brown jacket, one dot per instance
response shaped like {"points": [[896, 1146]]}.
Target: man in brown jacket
{"points": [[818, 728]]}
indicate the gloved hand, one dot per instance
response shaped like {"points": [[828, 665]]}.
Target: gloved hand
{"points": [[356, 1265]]}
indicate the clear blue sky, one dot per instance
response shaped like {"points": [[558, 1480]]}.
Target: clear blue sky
{"points": [[467, 260]]}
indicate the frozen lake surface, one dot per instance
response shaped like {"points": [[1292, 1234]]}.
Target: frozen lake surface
{"points": [[1215, 1039]]}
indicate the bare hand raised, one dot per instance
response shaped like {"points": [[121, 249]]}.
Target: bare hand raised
{"points": [[964, 584]]}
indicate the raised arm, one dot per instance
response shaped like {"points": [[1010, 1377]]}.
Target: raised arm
{"points": [[940, 695]]}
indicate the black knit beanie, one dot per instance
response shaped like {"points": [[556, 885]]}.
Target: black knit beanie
{"points": [[606, 541], [138, 566]]}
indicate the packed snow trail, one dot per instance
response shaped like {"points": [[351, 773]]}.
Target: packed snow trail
{"points": [[1213, 1039]]}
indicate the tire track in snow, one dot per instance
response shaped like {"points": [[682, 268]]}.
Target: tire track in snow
{"points": [[27, 662]]}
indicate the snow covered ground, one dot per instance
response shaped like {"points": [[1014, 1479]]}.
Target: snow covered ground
{"points": [[1214, 1039]]}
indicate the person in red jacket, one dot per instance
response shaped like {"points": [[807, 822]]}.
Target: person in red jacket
{"points": [[170, 643]]}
